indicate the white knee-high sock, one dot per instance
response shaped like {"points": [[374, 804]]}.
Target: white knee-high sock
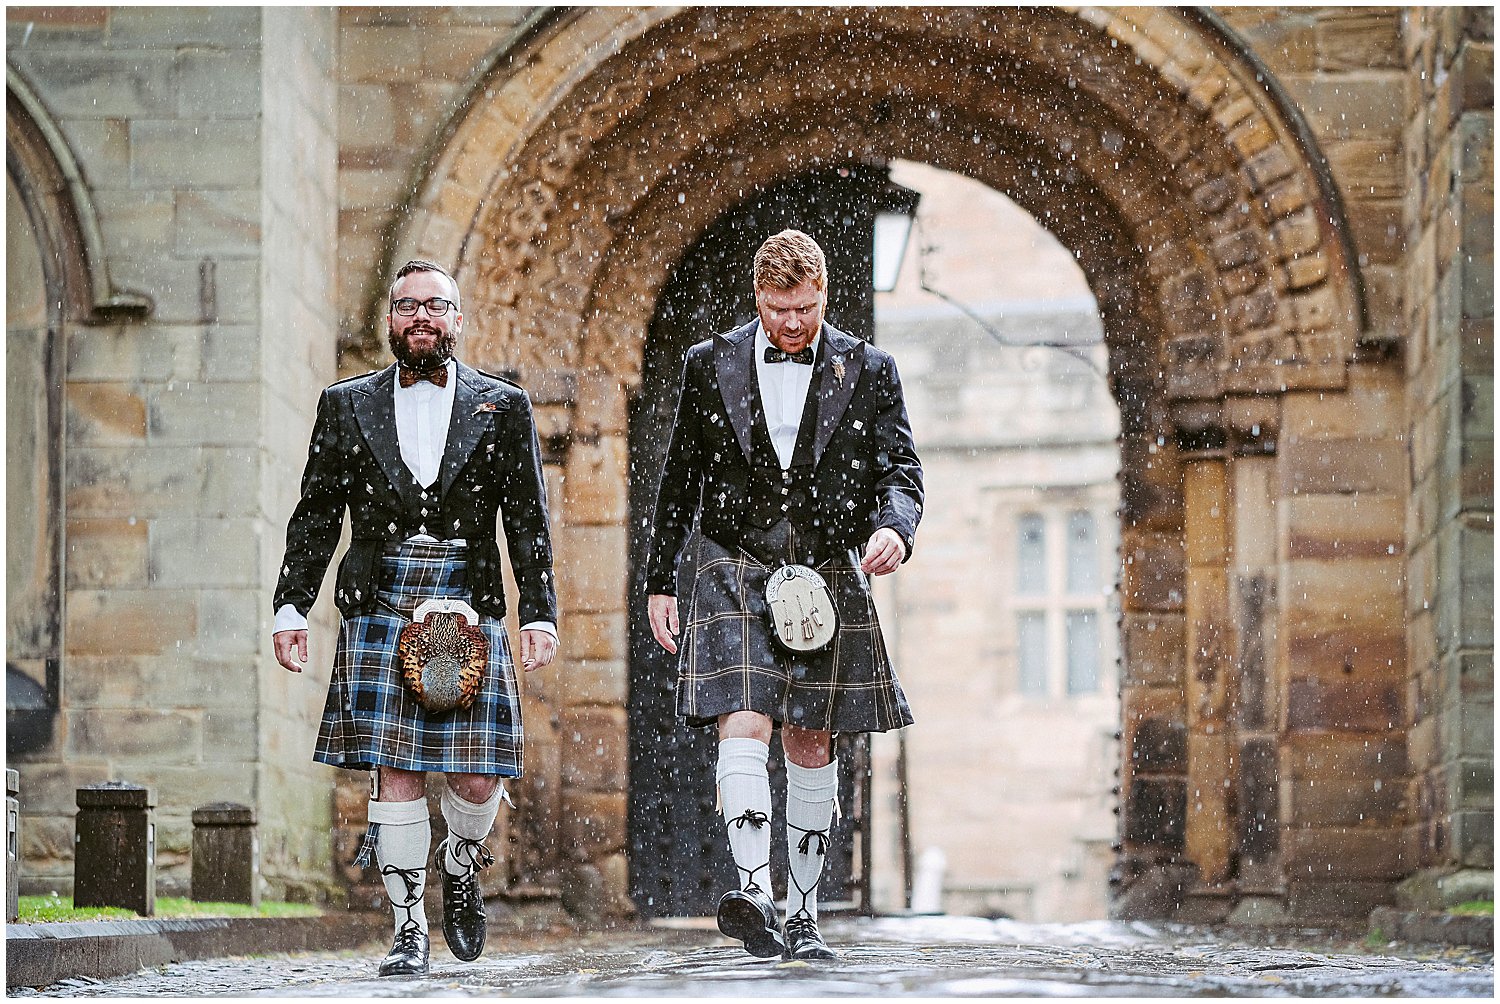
{"points": [[745, 798], [810, 797], [471, 821], [401, 847]]}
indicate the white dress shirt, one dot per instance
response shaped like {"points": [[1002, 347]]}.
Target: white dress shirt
{"points": [[423, 412], [783, 395]]}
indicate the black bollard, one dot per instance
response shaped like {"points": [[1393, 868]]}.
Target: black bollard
{"points": [[114, 861], [12, 843], [226, 854]]}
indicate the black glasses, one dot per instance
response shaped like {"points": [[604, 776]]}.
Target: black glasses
{"points": [[436, 307]]}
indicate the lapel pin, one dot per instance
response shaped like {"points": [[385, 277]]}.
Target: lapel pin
{"points": [[838, 369]]}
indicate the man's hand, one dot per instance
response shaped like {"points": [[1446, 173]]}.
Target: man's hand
{"points": [[884, 553], [537, 649], [662, 611], [291, 648]]}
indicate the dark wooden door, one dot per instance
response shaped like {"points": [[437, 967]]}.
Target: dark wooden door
{"points": [[680, 861]]}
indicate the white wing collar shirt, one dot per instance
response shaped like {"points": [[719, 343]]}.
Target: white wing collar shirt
{"points": [[423, 412], [783, 394]]}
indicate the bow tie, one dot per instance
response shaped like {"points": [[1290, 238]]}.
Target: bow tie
{"points": [[775, 355], [439, 376]]}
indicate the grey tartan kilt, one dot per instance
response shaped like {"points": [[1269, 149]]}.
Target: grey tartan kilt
{"points": [[370, 719], [729, 661]]}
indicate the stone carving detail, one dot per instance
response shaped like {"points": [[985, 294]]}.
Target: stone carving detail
{"points": [[574, 238]]}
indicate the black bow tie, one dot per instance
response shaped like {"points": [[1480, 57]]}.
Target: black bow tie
{"points": [[775, 355]]}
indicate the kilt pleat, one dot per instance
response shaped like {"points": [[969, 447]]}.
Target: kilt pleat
{"points": [[729, 661], [370, 719]]}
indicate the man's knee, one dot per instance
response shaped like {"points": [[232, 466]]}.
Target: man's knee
{"points": [[807, 747], [476, 788], [745, 725], [398, 785]]}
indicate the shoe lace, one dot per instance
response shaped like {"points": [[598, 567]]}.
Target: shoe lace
{"points": [[408, 939], [474, 852], [802, 927]]}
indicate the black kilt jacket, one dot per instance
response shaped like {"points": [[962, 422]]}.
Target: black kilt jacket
{"points": [[491, 463], [866, 471]]}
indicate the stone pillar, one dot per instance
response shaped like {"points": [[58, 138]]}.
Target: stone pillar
{"points": [[226, 854], [1210, 680], [115, 860]]}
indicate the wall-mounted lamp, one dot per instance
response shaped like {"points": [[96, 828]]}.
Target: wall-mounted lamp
{"points": [[895, 211]]}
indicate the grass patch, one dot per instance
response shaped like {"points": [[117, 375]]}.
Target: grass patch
{"points": [[1474, 908], [52, 909]]}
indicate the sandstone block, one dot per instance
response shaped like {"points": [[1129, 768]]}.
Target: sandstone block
{"points": [[197, 153], [105, 414], [229, 621], [1358, 38], [1309, 900], [217, 224], [598, 637], [597, 478], [1344, 526], [106, 553], [1366, 168], [1350, 852], [154, 352], [112, 622], [214, 414], [1210, 826], [593, 681], [1207, 512], [100, 84], [143, 27], [1154, 650], [1154, 574], [52, 788], [1342, 466], [219, 83], [594, 747], [184, 788], [202, 481], [132, 737], [1209, 667], [1356, 705], [591, 568], [593, 824]]}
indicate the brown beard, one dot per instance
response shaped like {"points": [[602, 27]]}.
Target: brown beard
{"points": [[421, 362]]}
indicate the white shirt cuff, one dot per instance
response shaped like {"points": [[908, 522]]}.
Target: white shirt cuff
{"points": [[288, 619], [547, 627]]}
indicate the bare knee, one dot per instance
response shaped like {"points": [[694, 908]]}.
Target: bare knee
{"points": [[745, 725], [476, 788], [397, 785], [807, 747]]}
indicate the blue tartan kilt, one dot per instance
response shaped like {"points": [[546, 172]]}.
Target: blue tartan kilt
{"points": [[371, 719]]}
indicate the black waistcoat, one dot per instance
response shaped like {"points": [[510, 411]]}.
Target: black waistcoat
{"points": [[783, 494]]}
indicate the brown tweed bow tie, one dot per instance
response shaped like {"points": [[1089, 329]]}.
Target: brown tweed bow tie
{"points": [[439, 376]]}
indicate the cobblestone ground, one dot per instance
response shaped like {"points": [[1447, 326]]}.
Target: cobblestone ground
{"points": [[927, 956]]}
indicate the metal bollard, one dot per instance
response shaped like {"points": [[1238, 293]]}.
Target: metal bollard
{"points": [[226, 854], [12, 844], [114, 850]]}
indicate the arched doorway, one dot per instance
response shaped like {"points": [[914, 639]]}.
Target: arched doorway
{"points": [[1195, 202]]}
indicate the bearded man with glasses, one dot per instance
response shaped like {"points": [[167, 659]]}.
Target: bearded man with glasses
{"points": [[422, 455]]}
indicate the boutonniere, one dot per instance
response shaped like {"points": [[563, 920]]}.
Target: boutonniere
{"points": [[838, 369], [487, 406]]}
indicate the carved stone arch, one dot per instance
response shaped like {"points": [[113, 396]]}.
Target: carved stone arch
{"points": [[592, 83], [597, 151], [58, 203]]}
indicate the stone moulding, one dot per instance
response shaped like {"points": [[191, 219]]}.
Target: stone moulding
{"points": [[547, 191], [62, 210]]}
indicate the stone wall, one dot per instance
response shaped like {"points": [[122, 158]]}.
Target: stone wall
{"points": [[171, 479], [1447, 226]]}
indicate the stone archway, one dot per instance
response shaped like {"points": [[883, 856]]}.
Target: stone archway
{"points": [[595, 153]]}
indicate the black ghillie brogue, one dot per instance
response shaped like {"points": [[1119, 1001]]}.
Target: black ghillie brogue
{"points": [[749, 916], [409, 953], [804, 943], [463, 902]]}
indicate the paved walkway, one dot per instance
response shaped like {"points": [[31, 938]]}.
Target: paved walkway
{"points": [[919, 956]]}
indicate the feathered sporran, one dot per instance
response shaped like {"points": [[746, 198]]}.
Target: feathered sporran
{"points": [[443, 660]]}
